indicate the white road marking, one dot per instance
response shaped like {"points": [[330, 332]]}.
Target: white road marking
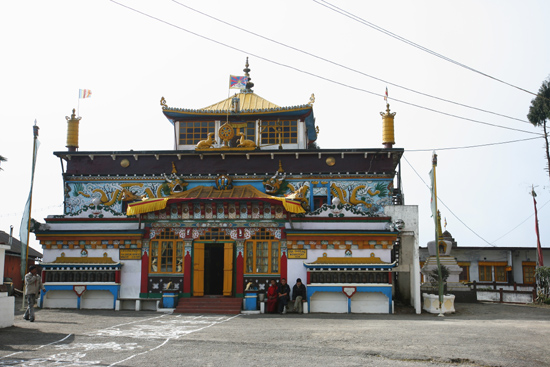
{"points": [[160, 327]]}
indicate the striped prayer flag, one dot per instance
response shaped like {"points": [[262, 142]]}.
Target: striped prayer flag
{"points": [[237, 82], [386, 96], [84, 93]]}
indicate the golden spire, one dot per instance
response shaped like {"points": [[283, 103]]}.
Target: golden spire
{"points": [[249, 84], [72, 132], [388, 137]]}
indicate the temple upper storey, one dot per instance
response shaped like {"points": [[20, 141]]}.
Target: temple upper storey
{"points": [[244, 121]]}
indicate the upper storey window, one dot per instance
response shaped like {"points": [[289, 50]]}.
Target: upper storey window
{"points": [[275, 132], [191, 132]]}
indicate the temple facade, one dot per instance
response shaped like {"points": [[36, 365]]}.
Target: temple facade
{"points": [[244, 197]]}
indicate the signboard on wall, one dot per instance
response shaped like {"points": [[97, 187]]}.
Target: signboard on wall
{"points": [[130, 254], [297, 253]]}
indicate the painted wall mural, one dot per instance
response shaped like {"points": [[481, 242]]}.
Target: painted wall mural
{"points": [[366, 196], [104, 199]]}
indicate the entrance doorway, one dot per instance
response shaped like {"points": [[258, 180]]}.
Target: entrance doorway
{"points": [[213, 268]]}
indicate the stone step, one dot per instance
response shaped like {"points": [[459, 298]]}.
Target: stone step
{"points": [[212, 305]]}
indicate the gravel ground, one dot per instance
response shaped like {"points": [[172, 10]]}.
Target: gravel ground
{"points": [[476, 335]]}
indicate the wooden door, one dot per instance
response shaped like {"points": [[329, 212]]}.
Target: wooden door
{"points": [[198, 269], [227, 269]]}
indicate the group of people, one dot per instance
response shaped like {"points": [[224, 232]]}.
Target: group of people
{"points": [[278, 296]]}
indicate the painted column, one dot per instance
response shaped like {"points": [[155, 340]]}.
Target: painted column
{"points": [[284, 264], [187, 268], [144, 274], [239, 264]]}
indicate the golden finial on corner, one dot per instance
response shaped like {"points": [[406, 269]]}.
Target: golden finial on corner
{"points": [[174, 170], [163, 102], [280, 170], [388, 113], [72, 131], [311, 99], [317, 130], [388, 135]]}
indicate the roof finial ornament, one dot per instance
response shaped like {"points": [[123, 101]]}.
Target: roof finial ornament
{"points": [[311, 99], [249, 84], [388, 136]]}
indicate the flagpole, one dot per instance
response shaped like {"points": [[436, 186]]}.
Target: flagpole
{"points": [[437, 235], [25, 262], [540, 258]]}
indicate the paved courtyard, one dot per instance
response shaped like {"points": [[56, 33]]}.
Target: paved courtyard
{"points": [[477, 335]]}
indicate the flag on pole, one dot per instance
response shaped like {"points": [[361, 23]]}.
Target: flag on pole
{"points": [[24, 229], [433, 202], [237, 82], [386, 96], [84, 93]]}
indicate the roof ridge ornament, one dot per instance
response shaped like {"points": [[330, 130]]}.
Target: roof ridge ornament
{"points": [[311, 100], [249, 84]]}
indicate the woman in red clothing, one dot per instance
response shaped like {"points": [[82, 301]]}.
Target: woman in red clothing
{"points": [[272, 296]]}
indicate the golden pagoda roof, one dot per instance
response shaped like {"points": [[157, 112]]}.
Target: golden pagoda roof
{"points": [[347, 260], [247, 101], [83, 260], [210, 192]]}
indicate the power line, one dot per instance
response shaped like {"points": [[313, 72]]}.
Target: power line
{"points": [[445, 205], [402, 39], [343, 66], [474, 146], [526, 219], [319, 76]]}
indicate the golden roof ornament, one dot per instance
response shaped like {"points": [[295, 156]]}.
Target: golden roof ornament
{"points": [[388, 136], [163, 102], [311, 99], [72, 131], [249, 84]]}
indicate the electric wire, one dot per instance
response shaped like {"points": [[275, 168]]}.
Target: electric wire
{"points": [[526, 219], [319, 76], [474, 146], [344, 66], [445, 205], [402, 39]]}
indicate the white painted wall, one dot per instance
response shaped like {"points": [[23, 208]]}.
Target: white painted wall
{"points": [[369, 302], [7, 307], [7, 304], [329, 302], [60, 299], [409, 263], [97, 299], [130, 279]]}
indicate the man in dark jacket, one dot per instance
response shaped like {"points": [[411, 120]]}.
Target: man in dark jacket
{"points": [[299, 295], [284, 295]]}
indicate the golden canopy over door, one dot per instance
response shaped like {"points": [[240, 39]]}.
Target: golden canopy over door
{"points": [[227, 268], [198, 269]]}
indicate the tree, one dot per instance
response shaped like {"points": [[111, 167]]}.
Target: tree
{"points": [[539, 114], [2, 159]]}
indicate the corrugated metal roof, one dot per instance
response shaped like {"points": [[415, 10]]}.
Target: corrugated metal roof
{"points": [[347, 261], [247, 101], [82, 260], [210, 192], [16, 245]]}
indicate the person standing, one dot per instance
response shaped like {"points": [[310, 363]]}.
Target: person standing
{"points": [[284, 295], [272, 295], [33, 285], [299, 295]]}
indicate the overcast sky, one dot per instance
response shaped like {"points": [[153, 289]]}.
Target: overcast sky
{"points": [[52, 49]]}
